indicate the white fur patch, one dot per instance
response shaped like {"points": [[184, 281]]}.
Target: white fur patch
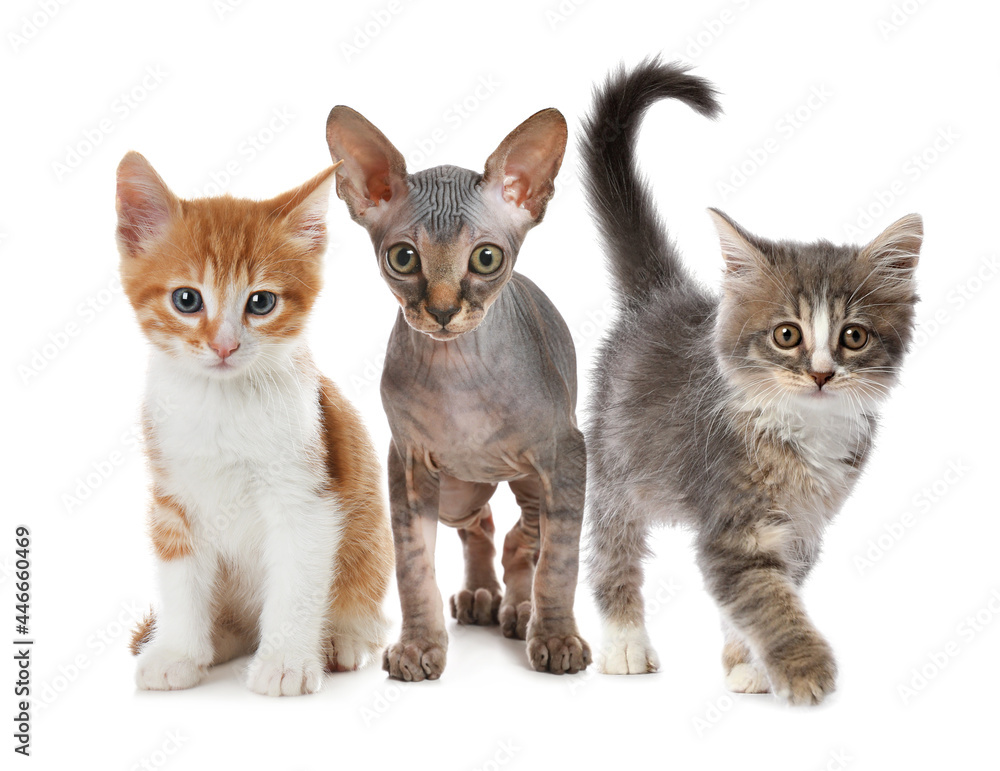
{"points": [[242, 455], [747, 678], [627, 651], [822, 360], [825, 432]]}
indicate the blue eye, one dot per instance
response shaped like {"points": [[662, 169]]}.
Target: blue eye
{"points": [[187, 300], [261, 303]]}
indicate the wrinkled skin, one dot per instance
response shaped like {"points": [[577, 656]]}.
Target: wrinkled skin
{"points": [[479, 387]]}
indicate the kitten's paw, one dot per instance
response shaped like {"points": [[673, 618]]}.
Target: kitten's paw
{"points": [[631, 658], [414, 660], [805, 679], [514, 620], [161, 670], [349, 654], [282, 675], [558, 655], [627, 651], [479, 608], [747, 678]]}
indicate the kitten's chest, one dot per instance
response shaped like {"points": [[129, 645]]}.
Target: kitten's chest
{"points": [[220, 447], [809, 461], [476, 413]]}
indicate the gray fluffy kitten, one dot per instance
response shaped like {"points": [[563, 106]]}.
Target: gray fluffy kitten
{"points": [[746, 416]]}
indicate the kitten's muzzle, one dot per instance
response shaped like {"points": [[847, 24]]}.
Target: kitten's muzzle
{"points": [[821, 378], [443, 315]]}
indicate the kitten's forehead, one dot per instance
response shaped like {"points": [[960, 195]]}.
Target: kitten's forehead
{"points": [[818, 270], [444, 199]]}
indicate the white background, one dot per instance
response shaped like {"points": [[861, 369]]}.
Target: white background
{"points": [[223, 73]]}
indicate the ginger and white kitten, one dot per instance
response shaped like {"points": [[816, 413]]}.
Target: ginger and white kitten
{"points": [[747, 417], [268, 520]]}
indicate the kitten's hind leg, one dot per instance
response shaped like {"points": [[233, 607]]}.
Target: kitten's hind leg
{"points": [[743, 673], [617, 546], [757, 594], [356, 624], [464, 505], [520, 554]]}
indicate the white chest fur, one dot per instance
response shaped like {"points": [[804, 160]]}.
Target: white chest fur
{"points": [[234, 451], [825, 439]]}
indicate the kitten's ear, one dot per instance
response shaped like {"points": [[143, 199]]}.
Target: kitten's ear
{"points": [[374, 170], [737, 244], [522, 170], [145, 206], [305, 207], [897, 248]]}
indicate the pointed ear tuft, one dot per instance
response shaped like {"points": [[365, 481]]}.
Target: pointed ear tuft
{"points": [[145, 205], [305, 207], [897, 248], [737, 248], [522, 170], [374, 170]]}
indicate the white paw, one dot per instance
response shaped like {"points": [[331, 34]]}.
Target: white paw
{"points": [[627, 652], [162, 670], [747, 678], [281, 675]]}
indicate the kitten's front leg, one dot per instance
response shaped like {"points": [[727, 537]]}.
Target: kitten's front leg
{"points": [[300, 550], [757, 595], [554, 642], [180, 651], [414, 495], [617, 539]]}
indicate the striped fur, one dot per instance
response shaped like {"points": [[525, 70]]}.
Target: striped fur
{"points": [[699, 416]]}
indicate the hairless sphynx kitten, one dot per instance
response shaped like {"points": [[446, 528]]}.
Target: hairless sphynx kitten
{"points": [[473, 401]]}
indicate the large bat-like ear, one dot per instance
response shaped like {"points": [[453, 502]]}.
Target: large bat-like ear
{"points": [[373, 177], [522, 170], [146, 207], [304, 208]]}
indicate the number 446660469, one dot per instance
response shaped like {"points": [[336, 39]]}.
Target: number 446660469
{"points": [[22, 575]]}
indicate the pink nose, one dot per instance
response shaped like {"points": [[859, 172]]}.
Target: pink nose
{"points": [[224, 348], [821, 378]]}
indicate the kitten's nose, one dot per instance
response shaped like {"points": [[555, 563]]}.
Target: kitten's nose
{"points": [[224, 348], [821, 378], [443, 315]]}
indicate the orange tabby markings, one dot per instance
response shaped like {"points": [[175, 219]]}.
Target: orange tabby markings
{"points": [[268, 518], [365, 555], [169, 529]]}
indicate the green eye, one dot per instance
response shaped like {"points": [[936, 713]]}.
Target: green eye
{"points": [[403, 258], [854, 337], [486, 259], [787, 335]]}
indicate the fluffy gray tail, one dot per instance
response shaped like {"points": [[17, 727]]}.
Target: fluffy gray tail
{"points": [[640, 253]]}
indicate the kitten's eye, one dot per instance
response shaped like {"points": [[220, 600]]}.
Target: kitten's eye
{"points": [[261, 303], [486, 259], [403, 258], [186, 300], [854, 337], [787, 335]]}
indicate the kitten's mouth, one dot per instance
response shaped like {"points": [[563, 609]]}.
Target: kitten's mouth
{"points": [[224, 366], [443, 334]]}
